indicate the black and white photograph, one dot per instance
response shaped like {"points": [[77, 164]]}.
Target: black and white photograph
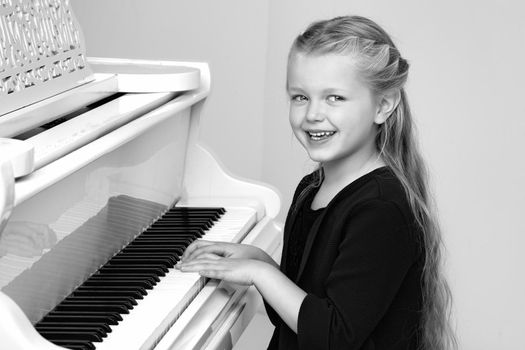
{"points": [[252, 175]]}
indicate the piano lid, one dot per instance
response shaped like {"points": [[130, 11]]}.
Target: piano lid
{"points": [[43, 62], [42, 52]]}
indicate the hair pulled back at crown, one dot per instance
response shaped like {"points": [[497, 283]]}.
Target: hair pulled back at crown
{"points": [[376, 56], [382, 68]]}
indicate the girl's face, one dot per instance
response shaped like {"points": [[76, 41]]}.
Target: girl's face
{"points": [[332, 113]]}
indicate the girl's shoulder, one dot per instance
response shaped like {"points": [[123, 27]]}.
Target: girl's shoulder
{"points": [[380, 187]]}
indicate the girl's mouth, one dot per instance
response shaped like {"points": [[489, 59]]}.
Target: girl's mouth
{"points": [[319, 135]]}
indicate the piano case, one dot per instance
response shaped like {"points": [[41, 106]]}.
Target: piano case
{"points": [[102, 186]]}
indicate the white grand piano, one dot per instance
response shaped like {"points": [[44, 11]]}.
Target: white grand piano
{"points": [[102, 186]]}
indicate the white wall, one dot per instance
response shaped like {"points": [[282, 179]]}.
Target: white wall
{"points": [[466, 90], [230, 35]]}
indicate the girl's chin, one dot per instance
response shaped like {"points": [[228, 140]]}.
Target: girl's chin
{"points": [[319, 158]]}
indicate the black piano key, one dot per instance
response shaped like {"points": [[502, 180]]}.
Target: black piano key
{"points": [[127, 275], [189, 221], [76, 346], [91, 308], [168, 235], [116, 289], [101, 304], [170, 246], [72, 328], [172, 252], [111, 315], [119, 283], [165, 248], [198, 209], [103, 327], [200, 222], [181, 240], [152, 258], [158, 250], [172, 232], [127, 301], [174, 242], [192, 211], [158, 268], [133, 269], [177, 242], [172, 257], [175, 226], [186, 220], [71, 335], [167, 252], [68, 318], [125, 261], [119, 293], [157, 247], [148, 279], [169, 242], [72, 344]]}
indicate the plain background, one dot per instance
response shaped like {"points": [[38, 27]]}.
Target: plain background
{"points": [[466, 89]]}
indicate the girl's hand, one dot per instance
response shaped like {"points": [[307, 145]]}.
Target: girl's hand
{"points": [[206, 249], [239, 271]]}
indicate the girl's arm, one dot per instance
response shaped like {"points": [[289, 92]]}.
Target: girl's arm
{"points": [[281, 293], [284, 296]]}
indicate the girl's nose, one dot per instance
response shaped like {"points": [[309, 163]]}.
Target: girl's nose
{"points": [[314, 113]]}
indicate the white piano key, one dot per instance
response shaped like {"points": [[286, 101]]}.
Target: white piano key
{"points": [[147, 322]]}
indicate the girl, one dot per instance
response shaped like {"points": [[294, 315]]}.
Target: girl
{"points": [[361, 256]]}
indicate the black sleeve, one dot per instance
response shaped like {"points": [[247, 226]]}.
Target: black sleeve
{"points": [[305, 181], [374, 256]]}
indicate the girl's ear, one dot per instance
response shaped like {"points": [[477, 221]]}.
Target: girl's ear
{"points": [[387, 105]]}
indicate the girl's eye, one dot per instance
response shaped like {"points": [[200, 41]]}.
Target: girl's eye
{"points": [[299, 98], [335, 98]]}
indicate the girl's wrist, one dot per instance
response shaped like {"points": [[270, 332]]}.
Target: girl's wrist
{"points": [[263, 273], [265, 257]]}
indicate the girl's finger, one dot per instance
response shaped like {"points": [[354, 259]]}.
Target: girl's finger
{"points": [[212, 274], [210, 256], [193, 246], [199, 264], [214, 248]]}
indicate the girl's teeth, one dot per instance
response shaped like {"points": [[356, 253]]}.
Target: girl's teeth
{"points": [[316, 136]]}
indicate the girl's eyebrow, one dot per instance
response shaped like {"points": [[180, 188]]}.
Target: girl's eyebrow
{"points": [[293, 88], [334, 90]]}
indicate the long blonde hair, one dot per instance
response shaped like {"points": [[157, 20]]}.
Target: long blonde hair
{"points": [[384, 70]]}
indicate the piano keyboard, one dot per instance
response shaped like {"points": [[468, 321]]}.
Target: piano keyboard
{"points": [[137, 295]]}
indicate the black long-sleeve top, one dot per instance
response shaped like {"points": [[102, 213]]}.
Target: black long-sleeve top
{"points": [[361, 268]]}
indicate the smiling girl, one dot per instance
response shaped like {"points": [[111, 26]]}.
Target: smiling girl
{"points": [[361, 265]]}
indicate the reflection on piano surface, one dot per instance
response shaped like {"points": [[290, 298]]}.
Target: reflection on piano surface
{"points": [[102, 186]]}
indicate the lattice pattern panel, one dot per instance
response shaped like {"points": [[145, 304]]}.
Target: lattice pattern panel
{"points": [[40, 41]]}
